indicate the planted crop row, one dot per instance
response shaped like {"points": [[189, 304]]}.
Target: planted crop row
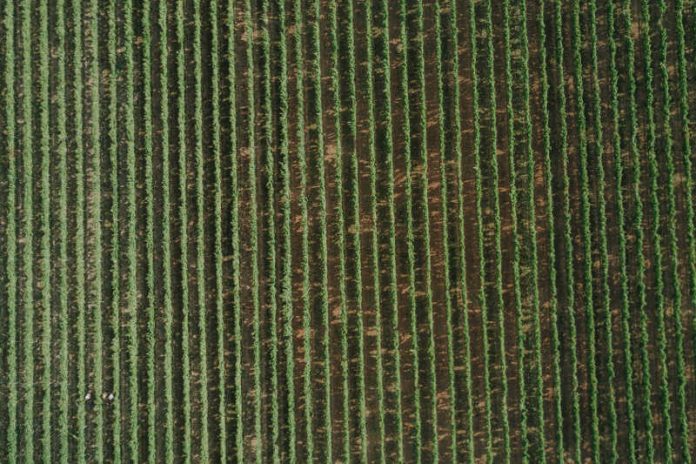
{"points": [[346, 231]]}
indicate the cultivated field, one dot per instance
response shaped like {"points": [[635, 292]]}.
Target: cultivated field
{"points": [[347, 231]]}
